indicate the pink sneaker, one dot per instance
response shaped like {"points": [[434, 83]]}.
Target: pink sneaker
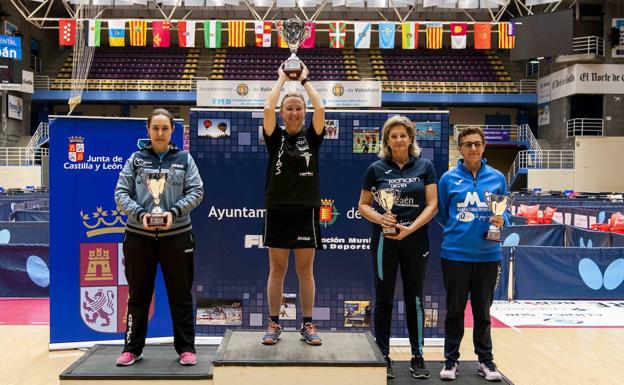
{"points": [[127, 358], [188, 359]]}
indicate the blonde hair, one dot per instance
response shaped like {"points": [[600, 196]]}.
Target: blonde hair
{"points": [[293, 94], [394, 121]]}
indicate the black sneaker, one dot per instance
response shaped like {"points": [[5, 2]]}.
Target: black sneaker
{"points": [[389, 367], [418, 368]]}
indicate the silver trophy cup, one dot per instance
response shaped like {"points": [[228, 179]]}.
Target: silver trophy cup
{"points": [[156, 183], [497, 204], [386, 197], [293, 31]]}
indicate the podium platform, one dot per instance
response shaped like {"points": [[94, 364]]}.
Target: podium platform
{"points": [[342, 359], [160, 362]]}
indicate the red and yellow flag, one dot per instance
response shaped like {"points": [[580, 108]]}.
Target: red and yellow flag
{"points": [[506, 35], [236, 33], [161, 31], [434, 35], [138, 33]]}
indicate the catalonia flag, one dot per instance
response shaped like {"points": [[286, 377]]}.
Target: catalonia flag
{"points": [[506, 35], [434, 35], [236, 33], [138, 33]]}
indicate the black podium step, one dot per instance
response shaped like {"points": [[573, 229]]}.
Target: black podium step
{"points": [[467, 374]]}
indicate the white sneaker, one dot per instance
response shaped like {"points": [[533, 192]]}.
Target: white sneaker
{"points": [[450, 370], [488, 370]]}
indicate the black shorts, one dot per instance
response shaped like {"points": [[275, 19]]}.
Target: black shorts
{"points": [[292, 228]]}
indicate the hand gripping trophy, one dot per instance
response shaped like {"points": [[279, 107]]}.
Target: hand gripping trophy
{"points": [[293, 31], [386, 197], [497, 204], [156, 183]]}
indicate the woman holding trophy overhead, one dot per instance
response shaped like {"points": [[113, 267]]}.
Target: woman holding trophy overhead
{"points": [[471, 250], [157, 188], [404, 186], [292, 196]]}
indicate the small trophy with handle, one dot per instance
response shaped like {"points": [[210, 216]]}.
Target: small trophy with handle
{"points": [[386, 198], [156, 183], [497, 204]]}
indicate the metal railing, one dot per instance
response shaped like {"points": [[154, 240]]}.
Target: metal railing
{"points": [[22, 156], [525, 86], [532, 68], [41, 135], [35, 63], [543, 159], [504, 133], [588, 44], [585, 127]]}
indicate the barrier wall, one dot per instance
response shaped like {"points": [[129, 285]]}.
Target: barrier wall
{"points": [[24, 271]]}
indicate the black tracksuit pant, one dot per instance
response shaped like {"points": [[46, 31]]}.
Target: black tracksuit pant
{"points": [[410, 254], [175, 254], [460, 279]]}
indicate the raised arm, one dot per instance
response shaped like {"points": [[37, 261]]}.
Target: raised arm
{"points": [[271, 102], [318, 119]]}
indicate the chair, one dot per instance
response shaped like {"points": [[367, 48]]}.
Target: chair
{"points": [[530, 213]]}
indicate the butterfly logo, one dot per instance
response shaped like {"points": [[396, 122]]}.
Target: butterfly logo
{"points": [[592, 276]]}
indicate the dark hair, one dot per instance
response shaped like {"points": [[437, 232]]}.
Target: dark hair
{"points": [[160, 111], [469, 131]]}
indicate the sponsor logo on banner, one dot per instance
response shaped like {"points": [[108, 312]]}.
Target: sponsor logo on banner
{"points": [[103, 287], [328, 212], [242, 89], [76, 149], [338, 90], [102, 222]]}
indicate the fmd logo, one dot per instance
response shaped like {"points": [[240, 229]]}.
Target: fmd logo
{"points": [[222, 102]]}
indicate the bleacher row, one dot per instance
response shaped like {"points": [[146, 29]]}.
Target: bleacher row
{"points": [[253, 63]]}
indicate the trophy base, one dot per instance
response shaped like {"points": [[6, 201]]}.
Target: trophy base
{"points": [[293, 68], [157, 220], [390, 231], [493, 235]]}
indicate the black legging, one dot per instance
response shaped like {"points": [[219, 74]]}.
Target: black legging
{"points": [[411, 253]]}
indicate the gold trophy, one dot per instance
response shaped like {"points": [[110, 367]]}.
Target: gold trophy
{"points": [[156, 183], [497, 204], [293, 31], [386, 197]]}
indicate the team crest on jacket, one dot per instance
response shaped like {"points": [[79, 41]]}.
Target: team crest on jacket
{"points": [[76, 149], [103, 287]]}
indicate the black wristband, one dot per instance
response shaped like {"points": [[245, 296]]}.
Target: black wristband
{"points": [[304, 81]]}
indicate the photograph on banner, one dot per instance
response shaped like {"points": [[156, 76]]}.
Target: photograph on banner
{"points": [[219, 312], [15, 107], [332, 129], [288, 308], [617, 50], [365, 140], [543, 114], [214, 128], [428, 130], [431, 318], [357, 314]]}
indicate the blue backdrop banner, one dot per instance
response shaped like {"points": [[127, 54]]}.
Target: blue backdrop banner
{"points": [[232, 266], [569, 273], [617, 240], [576, 237], [89, 295], [30, 233], [24, 271], [533, 235]]}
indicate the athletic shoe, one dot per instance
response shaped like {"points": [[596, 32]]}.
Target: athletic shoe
{"points": [[418, 368], [389, 367], [127, 358], [188, 359], [309, 334], [450, 370], [488, 370], [272, 335]]}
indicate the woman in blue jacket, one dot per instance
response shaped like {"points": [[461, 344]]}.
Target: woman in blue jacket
{"points": [[470, 264]]}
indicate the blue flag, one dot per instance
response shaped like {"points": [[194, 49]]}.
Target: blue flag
{"points": [[386, 35]]}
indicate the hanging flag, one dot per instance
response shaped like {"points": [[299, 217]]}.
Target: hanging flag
{"points": [[506, 35], [458, 35], [386, 35], [116, 33], [361, 35], [94, 33], [482, 35], [434, 35], [281, 42], [409, 33], [212, 34], [236, 33], [337, 34], [161, 33], [186, 33], [138, 33], [67, 32], [309, 42], [263, 33]]}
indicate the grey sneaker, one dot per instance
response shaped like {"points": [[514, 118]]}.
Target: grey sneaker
{"points": [[309, 334], [272, 335], [450, 370], [389, 367], [488, 371], [418, 368]]}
